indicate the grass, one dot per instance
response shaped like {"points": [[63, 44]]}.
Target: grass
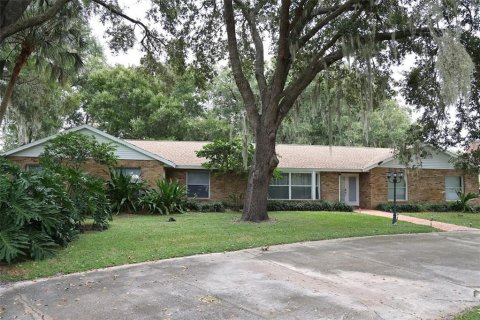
{"points": [[136, 238], [471, 314], [458, 218]]}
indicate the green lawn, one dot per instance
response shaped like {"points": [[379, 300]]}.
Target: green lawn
{"points": [[137, 238], [472, 314], [458, 218]]}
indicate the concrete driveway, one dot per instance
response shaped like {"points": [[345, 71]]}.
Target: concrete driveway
{"points": [[425, 276]]}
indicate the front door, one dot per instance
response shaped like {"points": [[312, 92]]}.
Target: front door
{"points": [[349, 189]]}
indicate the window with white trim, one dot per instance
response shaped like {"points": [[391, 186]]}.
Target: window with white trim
{"points": [[301, 185], [295, 186], [453, 186], [198, 184], [401, 190], [279, 189]]}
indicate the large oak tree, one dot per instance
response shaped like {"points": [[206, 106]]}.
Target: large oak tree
{"points": [[306, 38]]}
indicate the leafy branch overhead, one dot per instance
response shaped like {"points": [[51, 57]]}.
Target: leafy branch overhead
{"points": [[226, 156]]}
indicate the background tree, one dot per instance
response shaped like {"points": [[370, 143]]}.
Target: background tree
{"points": [[57, 44], [142, 103]]}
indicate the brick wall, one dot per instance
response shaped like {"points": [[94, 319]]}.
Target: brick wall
{"points": [[365, 190], [220, 185], [329, 186], [151, 169], [423, 185]]}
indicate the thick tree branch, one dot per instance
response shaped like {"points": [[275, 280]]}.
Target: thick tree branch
{"points": [[238, 74], [147, 33], [259, 52], [12, 10], [23, 24], [320, 62], [284, 61], [302, 13], [325, 21]]}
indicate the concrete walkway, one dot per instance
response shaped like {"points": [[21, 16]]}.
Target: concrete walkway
{"points": [[438, 225], [422, 276]]}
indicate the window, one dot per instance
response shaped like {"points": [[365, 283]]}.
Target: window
{"points": [[295, 186], [453, 185], [34, 167], [279, 188], [301, 186], [134, 173], [198, 184], [401, 190]]}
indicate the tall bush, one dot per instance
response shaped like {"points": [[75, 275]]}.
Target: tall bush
{"points": [[37, 214], [66, 155]]}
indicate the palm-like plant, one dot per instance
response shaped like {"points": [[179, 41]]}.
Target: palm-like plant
{"points": [[464, 199], [123, 192], [169, 197], [56, 45]]}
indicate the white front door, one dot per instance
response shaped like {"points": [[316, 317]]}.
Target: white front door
{"points": [[349, 189]]}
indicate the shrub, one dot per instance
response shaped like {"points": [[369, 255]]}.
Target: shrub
{"points": [[454, 206], [169, 197], [234, 201], [65, 155], [464, 199], [36, 216], [310, 205], [124, 194], [205, 206], [89, 197]]}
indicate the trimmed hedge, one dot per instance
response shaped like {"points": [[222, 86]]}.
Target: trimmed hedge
{"points": [[424, 207], [275, 205], [205, 206], [308, 205]]}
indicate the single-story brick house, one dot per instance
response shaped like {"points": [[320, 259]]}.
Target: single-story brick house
{"points": [[354, 175]]}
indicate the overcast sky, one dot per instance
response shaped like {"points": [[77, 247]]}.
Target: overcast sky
{"points": [[135, 9]]}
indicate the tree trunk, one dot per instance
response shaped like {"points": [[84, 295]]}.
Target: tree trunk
{"points": [[21, 60], [264, 162]]}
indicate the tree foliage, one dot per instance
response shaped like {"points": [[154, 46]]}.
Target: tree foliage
{"points": [[227, 156], [37, 215], [73, 150], [143, 102]]}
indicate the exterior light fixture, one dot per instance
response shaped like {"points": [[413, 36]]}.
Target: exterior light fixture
{"points": [[395, 177]]}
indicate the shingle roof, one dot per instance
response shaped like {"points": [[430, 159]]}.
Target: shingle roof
{"points": [[182, 153]]}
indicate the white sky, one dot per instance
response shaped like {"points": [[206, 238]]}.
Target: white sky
{"points": [[134, 9]]}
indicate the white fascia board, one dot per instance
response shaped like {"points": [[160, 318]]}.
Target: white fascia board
{"points": [[372, 166], [131, 146], [99, 132], [43, 140], [192, 167]]}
